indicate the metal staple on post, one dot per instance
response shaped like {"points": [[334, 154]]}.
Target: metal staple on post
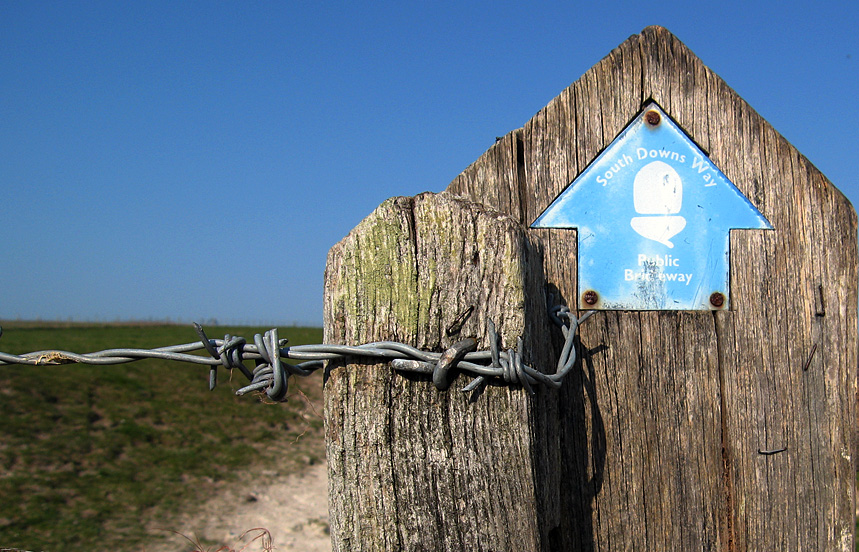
{"points": [[271, 374]]}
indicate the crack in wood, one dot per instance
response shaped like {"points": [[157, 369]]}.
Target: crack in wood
{"points": [[727, 462]]}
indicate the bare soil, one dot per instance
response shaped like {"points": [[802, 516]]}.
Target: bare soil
{"points": [[292, 507]]}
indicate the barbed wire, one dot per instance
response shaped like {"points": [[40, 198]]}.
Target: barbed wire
{"points": [[271, 374]]}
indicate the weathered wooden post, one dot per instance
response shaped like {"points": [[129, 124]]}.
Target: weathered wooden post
{"points": [[714, 407]]}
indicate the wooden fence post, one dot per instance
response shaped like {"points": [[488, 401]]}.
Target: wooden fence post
{"points": [[665, 437], [412, 467]]}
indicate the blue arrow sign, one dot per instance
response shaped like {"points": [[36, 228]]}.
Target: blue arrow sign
{"points": [[654, 216]]}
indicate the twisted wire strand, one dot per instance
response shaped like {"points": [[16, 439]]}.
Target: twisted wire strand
{"points": [[271, 374]]}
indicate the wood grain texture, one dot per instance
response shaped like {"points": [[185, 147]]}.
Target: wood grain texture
{"points": [[412, 467], [656, 441]]}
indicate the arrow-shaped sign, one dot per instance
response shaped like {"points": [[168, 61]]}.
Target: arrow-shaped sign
{"points": [[654, 216]]}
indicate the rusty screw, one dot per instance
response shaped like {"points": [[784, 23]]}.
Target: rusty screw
{"points": [[591, 297], [717, 299], [652, 118]]}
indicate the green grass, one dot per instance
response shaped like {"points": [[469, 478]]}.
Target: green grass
{"points": [[91, 457]]}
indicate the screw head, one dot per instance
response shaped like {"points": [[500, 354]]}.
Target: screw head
{"points": [[590, 297], [652, 117], [717, 299]]}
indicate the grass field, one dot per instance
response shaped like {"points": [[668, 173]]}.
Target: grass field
{"points": [[92, 458]]}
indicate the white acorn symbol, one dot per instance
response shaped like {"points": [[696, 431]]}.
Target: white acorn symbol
{"points": [[658, 193]]}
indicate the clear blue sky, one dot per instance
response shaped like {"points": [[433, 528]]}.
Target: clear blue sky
{"points": [[196, 160]]}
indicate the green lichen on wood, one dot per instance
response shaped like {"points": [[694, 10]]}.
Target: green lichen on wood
{"points": [[477, 260], [409, 262], [379, 273]]}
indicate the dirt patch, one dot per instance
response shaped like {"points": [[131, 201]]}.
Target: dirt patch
{"points": [[293, 507]]}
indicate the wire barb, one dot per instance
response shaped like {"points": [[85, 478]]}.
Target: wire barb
{"points": [[271, 374]]}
